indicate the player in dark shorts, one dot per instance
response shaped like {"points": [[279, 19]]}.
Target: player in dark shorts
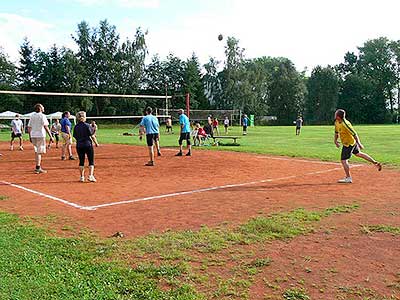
{"points": [[185, 133], [299, 124], [351, 144], [151, 127]]}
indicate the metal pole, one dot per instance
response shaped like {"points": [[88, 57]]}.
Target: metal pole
{"points": [[188, 104]]}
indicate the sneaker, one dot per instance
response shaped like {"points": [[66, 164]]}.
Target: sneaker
{"points": [[62, 157], [11, 148], [82, 179], [158, 153], [91, 178], [40, 171], [21, 148], [346, 180], [378, 166], [150, 164], [71, 158], [179, 154], [189, 154]]}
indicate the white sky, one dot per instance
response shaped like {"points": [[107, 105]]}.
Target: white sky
{"points": [[309, 32]]}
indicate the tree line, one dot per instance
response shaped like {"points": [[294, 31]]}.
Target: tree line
{"points": [[366, 83]]}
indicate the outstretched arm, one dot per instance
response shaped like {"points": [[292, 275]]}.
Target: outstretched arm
{"points": [[336, 140]]}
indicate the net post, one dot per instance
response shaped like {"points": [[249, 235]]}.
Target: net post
{"points": [[188, 104]]}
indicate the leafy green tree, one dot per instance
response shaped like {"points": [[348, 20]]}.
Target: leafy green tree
{"points": [[193, 83], [376, 65], [356, 98], [212, 83], [286, 91], [8, 77], [323, 94]]}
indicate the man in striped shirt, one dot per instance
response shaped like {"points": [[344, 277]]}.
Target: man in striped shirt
{"points": [[351, 144]]}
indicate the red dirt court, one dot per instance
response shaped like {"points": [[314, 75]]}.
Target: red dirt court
{"points": [[179, 192]]}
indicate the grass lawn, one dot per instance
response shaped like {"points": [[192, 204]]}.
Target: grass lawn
{"points": [[380, 141]]}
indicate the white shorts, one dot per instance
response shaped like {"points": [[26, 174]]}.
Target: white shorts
{"points": [[39, 145]]}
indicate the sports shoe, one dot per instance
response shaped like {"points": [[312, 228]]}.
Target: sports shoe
{"points": [[150, 164], [82, 179], [62, 157], [378, 166], [179, 154], [91, 178], [158, 153], [71, 158], [40, 171], [21, 148], [189, 154], [11, 148], [346, 180]]}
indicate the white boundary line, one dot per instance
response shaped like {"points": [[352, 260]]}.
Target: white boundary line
{"points": [[42, 194], [222, 187]]}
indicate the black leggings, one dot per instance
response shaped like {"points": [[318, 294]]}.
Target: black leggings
{"points": [[82, 151]]}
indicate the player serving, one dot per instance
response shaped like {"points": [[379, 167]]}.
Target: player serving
{"points": [[151, 127], [351, 144]]}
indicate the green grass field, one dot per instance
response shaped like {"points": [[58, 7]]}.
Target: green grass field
{"points": [[381, 141]]}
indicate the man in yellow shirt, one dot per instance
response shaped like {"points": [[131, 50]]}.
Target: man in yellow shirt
{"points": [[351, 144]]}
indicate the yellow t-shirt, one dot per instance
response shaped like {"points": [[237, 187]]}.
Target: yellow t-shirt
{"points": [[346, 132]]}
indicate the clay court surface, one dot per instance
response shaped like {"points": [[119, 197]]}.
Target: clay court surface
{"points": [[181, 192], [214, 187]]}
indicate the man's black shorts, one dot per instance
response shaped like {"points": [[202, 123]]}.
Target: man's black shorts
{"points": [[185, 136], [151, 138], [348, 151], [16, 135]]}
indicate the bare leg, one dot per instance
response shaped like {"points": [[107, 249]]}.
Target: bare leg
{"points": [[63, 150], [91, 170], [346, 167], [369, 159], [366, 157], [82, 171], [158, 147], [151, 153], [69, 150], [38, 159]]}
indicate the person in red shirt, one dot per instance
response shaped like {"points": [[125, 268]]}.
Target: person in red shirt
{"points": [[215, 125], [199, 134]]}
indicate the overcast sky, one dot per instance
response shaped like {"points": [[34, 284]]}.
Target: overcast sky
{"points": [[309, 32]]}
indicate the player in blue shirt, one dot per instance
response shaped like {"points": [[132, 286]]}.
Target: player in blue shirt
{"points": [[151, 127], [66, 134], [185, 133]]}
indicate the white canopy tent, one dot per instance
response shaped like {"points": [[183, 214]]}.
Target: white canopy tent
{"points": [[8, 115]]}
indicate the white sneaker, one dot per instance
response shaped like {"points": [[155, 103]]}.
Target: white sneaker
{"points": [[91, 178], [346, 180], [11, 148], [21, 148], [82, 179]]}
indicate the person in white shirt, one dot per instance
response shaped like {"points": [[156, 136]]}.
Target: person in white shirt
{"points": [[38, 126], [55, 132], [226, 125], [17, 129]]}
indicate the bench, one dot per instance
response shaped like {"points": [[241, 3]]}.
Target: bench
{"points": [[234, 138]]}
